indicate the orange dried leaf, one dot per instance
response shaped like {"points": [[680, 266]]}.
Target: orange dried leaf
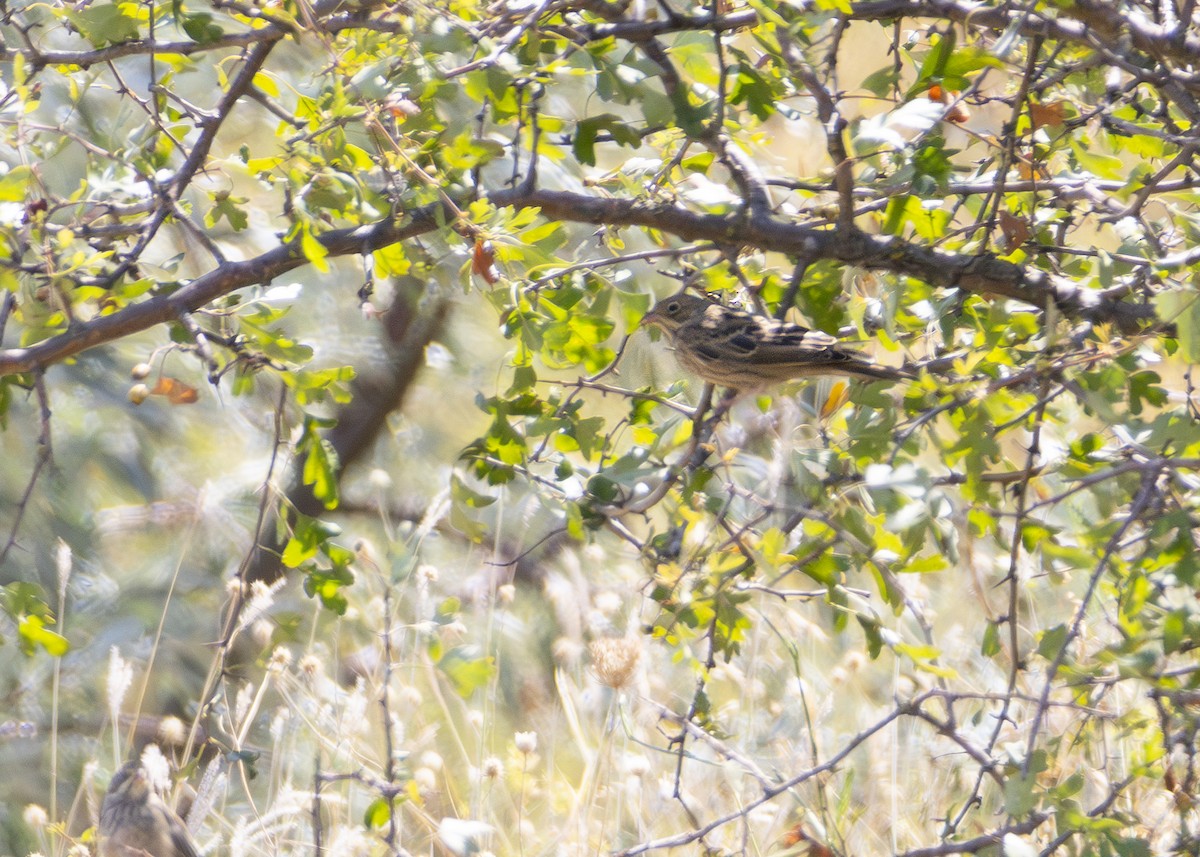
{"points": [[176, 392], [401, 108], [839, 394], [794, 836], [483, 261], [1044, 115], [1016, 231], [958, 113]]}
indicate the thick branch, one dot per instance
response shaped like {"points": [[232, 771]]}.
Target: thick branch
{"points": [[205, 289], [983, 275], [1086, 22], [38, 59], [410, 326]]}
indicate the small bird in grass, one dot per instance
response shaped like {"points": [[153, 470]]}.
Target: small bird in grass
{"points": [[135, 822], [749, 352]]}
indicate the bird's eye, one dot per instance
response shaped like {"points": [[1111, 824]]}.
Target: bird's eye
{"points": [[673, 307]]}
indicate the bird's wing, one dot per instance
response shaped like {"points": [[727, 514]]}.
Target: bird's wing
{"points": [[783, 344], [184, 847], [773, 349]]}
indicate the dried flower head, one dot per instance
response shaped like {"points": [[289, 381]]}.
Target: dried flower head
{"points": [[62, 560], [432, 760], [566, 652], [607, 602], [526, 742], [157, 768], [35, 816], [281, 659], [310, 666], [120, 677], [261, 599], [636, 765], [410, 696], [172, 732], [210, 790], [615, 660], [462, 836], [426, 780]]}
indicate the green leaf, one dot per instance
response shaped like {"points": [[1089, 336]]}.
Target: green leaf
{"points": [[1051, 642], [1098, 163], [35, 634], [1142, 388], [1019, 796], [467, 669], [1072, 785], [20, 598], [871, 629], [990, 647], [964, 61], [308, 537], [586, 131], [752, 90], [936, 60], [327, 584], [295, 552], [315, 385], [927, 217], [314, 251], [1181, 307], [14, 184], [1129, 846], [321, 467], [320, 471], [104, 24], [378, 813], [698, 163], [227, 206], [881, 83], [201, 28]]}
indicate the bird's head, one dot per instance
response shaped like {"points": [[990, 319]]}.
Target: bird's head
{"points": [[131, 781], [672, 313]]}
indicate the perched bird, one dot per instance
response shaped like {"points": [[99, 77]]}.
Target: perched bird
{"points": [[135, 822], [750, 352]]}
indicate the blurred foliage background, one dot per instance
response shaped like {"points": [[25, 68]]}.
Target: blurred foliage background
{"points": [[339, 468]]}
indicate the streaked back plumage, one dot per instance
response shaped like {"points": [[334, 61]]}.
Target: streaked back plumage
{"points": [[733, 348]]}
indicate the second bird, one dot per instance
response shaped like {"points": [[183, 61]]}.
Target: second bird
{"points": [[135, 822]]}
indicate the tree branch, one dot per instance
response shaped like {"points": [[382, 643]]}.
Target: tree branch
{"points": [[983, 275], [207, 288]]}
